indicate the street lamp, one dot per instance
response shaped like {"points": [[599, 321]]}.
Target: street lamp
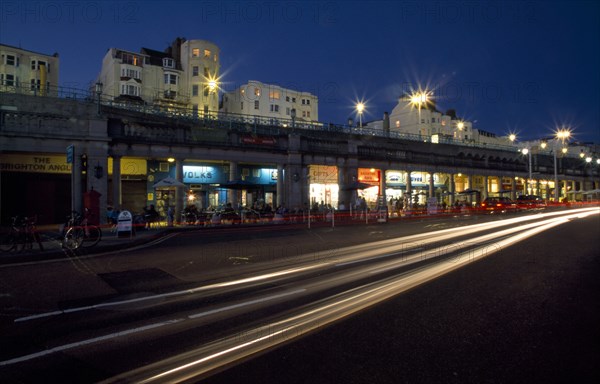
{"points": [[528, 187], [360, 108], [419, 99], [99, 86], [562, 135]]}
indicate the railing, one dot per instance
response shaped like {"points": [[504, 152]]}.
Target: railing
{"points": [[237, 122]]}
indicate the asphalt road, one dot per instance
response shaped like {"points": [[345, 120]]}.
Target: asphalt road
{"points": [[528, 314]]}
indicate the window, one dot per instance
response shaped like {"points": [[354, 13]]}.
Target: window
{"points": [[35, 84], [242, 105], [256, 91], [195, 70], [132, 90], [168, 63], [195, 109], [303, 101], [206, 90], [274, 108], [170, 94], [10, 80], [10, 60], [243, 92], [206, 110], [307, 101], [170, 78], [255, 104], [274, 95], [206, 53], [287, 111], [128, 58], [293, 99], [287, 98], [196, 52], [216, 58], [131, 73], [195, 90]]}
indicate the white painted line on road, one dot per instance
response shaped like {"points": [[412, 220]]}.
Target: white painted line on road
{"points": [[246, 303], [87, 342]]}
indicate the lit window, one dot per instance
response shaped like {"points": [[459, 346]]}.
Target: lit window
{"points": [[397, 123], [206, 53], [274, 95], [216, 57], [243, 91], [256, 91], [196, 52]]}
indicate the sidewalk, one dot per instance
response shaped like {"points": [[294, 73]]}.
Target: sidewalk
{"points": [[51, 243]]}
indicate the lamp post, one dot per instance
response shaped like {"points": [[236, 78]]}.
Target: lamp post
{"points": [[360, 107], [562, 135], [528, 188], [99, 93]]}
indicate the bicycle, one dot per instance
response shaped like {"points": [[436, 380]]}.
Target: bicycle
{"points": [[21, 235], [79, 233]]}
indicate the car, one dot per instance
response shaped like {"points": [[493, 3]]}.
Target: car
{"points": [[530, 202], [498, 205]]}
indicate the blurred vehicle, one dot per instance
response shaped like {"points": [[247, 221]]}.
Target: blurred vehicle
{"points": [[498, 205], [530, 202]]}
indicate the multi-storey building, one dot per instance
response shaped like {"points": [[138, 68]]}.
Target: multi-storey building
{"points": [[184, 76], [27, 71], [272, 102], [426, 121]]}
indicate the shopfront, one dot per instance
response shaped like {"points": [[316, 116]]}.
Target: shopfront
{"points": [[35, 184], [324, 187], [370, 176]]}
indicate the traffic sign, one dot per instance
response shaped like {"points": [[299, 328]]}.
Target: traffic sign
{"points": [[70, 153]]}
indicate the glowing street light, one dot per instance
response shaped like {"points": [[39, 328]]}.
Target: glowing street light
{"points": [[562, 135], [512, 137], [528, 186], [360, 108]]}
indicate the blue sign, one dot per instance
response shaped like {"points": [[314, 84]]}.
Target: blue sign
{"points": [[70, 153]]}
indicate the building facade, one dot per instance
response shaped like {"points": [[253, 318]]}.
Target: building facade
{"points": [[28, 72], [182, 77], [272, 102]]}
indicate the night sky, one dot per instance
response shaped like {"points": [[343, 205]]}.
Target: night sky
{"points": [[523, 67]]}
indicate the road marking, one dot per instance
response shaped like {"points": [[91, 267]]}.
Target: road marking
{"points": [[87, 342], [245, 303]]}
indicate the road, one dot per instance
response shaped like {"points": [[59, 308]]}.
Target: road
{"points": [[239, 297]]}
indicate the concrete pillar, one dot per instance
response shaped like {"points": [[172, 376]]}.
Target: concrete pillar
{"points": [[232, 194], [513, 188], [451, 189], [409, 188], [279, 198], [179, 191], [382, 193], [431, 184], [116, 183], [486, 186], [76, 190]]}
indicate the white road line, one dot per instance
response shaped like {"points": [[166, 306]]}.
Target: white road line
{"points": [[245, 303], [88, 342]]}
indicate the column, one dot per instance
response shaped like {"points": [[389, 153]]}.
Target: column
{"points": [[179, 191], [513, 188], [431, 185], [232, 195], [486, 186], [452, 190], [76, 190], [279, 198], [116, 183], [409, 188], [382, 186]]}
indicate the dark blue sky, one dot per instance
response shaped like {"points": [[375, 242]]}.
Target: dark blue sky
{"points": [[509, 66]]}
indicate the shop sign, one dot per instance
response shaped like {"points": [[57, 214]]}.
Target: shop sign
{"points": [[202, 175], [368, 175], [35, 163], [130, 167], [323, 174]]}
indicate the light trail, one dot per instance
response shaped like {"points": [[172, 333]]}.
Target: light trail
{"points": [[228, 350], [343, 256], [325, 311]]}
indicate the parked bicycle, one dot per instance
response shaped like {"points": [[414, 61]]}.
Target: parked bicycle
{"points": [[21, 235], [79, 233]]}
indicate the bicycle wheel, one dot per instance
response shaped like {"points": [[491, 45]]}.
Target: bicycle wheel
{"points": [[8, 241], [92, 236], [73, 238]]}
